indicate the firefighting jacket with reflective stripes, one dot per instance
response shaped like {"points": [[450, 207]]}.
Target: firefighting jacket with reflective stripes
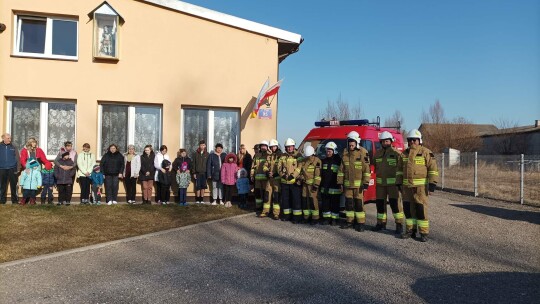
{"points": [[418, 168], [273, 165], [354, 170], [261, 165], [290, 164], [386, 164], [311, 170], [329, 172]]}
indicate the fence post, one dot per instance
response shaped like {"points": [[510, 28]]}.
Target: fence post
{"points": [[442, 172], [522, 178], [475, 174]]}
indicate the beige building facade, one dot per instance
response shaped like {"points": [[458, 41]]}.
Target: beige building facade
{"points": [[135, 72]]}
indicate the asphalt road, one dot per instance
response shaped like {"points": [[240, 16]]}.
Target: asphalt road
{"points": [[480, 251]]}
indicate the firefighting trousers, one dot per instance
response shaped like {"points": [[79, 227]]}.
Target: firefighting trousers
{"points": [[330, 206], [354, 205], [415, 206], [291, 196], [390, 192], [261, 194], [310, 202], [273, 198]]}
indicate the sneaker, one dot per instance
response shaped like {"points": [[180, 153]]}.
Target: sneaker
{"points": [[221, 203], [115, 202], [109, 203], [98, 203], [214, 204], [59, 204], [68, 203]]}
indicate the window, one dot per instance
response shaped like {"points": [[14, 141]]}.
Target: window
{"points": [[51, 123], [213, 125], [125, 124], [46, 37]]}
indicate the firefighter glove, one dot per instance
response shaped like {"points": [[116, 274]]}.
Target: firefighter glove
{"points": [[366, 186], [432, 187]]}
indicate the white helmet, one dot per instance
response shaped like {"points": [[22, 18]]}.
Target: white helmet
{"points": [[354, 136], [264, 142], [273, 142], [290, 142], [331, 145], [308, 151], [414, 133], [386, 135]]}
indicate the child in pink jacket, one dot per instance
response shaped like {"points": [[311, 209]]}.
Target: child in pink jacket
{"points": [[228, 177]]}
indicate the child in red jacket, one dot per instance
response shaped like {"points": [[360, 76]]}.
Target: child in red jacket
{"points": [[228, 177]]}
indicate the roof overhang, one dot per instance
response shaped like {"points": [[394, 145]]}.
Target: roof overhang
{"points": [[289, 42]]}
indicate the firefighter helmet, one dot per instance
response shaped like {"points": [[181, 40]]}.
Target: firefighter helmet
{"points": [[308, 151], [386, 135], [414, 133], [264, 142], [273, 142], [353, 135], [290, 142], [331, 145]]}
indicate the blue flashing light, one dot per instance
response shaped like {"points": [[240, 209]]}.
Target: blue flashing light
{"points": [[335, 123]]}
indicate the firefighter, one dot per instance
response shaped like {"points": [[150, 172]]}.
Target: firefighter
{"points": [[274, 177], [353, 176], [419, 176], [259, 175], [330, 190], [387, 160], [311, 175], [289, 168]]}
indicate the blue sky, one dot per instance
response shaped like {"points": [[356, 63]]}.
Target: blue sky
{"points": [[481, 59]]}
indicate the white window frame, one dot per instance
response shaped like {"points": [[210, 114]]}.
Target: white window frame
{"points": [[43, 121], [47, 53], [210, 138], [131, 123]]}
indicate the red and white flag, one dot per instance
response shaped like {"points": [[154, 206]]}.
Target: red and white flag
{"points": [[271, 91]]}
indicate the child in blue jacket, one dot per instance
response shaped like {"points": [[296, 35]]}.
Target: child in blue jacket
{"points": [[96, 178], [48, 181], [30, 182], [242, 185]]}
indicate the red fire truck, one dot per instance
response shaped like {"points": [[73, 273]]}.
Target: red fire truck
{"points": [[337, 131]]}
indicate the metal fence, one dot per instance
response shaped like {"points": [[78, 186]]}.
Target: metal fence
{"points": [[514, 178]]}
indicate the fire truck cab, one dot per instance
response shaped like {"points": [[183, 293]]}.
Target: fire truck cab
{"points": [[336, 131]]}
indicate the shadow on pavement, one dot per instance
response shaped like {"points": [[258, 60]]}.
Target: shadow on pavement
{"points": [[488, 287], [506, 214]]}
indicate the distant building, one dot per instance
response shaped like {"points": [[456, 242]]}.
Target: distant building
{"points": [[517, 140]]}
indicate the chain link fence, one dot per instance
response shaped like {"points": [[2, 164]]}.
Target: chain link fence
{"points": [[514, 178]]}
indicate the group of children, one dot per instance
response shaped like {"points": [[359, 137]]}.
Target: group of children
{"points": [[61, 177]]}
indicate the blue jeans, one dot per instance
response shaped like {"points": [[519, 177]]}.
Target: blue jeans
{"points": [[47, 192], [182, 193], [111, 187]]}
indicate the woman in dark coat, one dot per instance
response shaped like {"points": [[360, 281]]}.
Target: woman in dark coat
{"points": [[146, 176], [112, 166]]}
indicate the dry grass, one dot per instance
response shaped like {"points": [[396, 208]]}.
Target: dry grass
{"points": [[494, 182], [33, 230]]}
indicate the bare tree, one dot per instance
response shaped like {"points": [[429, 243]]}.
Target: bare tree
{"points": [[340, 109], [395, 120], [435, 114]]}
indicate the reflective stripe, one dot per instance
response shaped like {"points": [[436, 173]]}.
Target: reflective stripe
{"points": [[399, 215], [378, 160], [327, 214], [286, 211], [357, 165], [340, 174], [346, 183], [423, 223], [357, 183], [334, 191], [335, 216], [392, 162], [276, 207], [315, 212], [335, 168], [409, 222], [349, 214], [419, 181], [297, 212], [367, 174], [390, 181], [399, 173], [433, 173], [360, 215], [381, 216], [260, 176], [419, 160], [309, 181], [258, 200], [379, 180], [307, 212], [266, 206]]}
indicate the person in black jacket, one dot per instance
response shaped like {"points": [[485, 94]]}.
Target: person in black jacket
{"points": [[112, 166], [330, 190], [164, 179], [244, 158], [213, 172], [146, 175], [181, 158]]}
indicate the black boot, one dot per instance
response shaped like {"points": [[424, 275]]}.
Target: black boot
{"points": [[346, 225], [379, 227], [413, 234], [360, 227], [407, 234], [399, 228], [423, 237]]}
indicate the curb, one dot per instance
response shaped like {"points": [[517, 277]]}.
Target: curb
{"points": [[106, 244]]}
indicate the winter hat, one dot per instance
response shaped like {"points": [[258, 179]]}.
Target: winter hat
{"points": [[96, 167], [165, 163], [48, 166], [33, 163], [65, 154], [242, 173], [184, 166]]}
